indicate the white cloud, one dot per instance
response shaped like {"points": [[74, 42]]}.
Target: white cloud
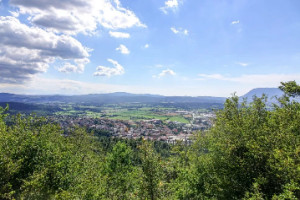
{"points": [[256, 80], [35, 38], [243, 64], [77, 16], [67, 68], [63, 86], [71, 87], [146, 46], [185, 32], [80, 63], [123, 49], [179, 31], [174, 30], [77, 67], [170, 5], [235, 22], [244, 83], [14, 14], [119, 34], [27, 49], [107, 71], [32, 49], [167, 72]]}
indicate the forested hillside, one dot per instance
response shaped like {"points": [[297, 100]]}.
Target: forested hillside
{"points": [[251, 152]]}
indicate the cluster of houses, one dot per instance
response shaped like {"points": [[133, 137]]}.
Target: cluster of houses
{"points": [[154, 129]]}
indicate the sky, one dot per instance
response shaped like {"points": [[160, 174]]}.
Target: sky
{"points": [[167, 47]]}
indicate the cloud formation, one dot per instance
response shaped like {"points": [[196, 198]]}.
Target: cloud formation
{"points": [[77, 67], [174, 30], [123, 49], [67, 68], [179, 31], [77, 16], [235, 22], [108, 71], [260, 80], [116, 34], [166, 72], [32, 49], [46, 36], [48, 86], [170, 5]]}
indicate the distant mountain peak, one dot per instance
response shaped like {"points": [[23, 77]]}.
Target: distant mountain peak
{"points": [[271, 93]]}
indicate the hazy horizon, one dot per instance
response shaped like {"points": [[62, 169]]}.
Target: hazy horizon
{"points": [[141, 94]]}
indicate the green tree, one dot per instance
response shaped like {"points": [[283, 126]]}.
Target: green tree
{"points": [[250, 152], [290, 88], [175, 172], [38, 162], [151, 181], [121, 175]]}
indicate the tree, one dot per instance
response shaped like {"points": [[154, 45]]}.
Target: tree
{"points": [[38, 162], [120, 172], [250, 152], [151, 174], [290, 88]]}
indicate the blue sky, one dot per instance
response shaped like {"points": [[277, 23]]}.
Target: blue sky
{"points": [[168, 47]]}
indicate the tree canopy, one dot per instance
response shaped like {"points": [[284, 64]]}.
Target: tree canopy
{"points": [[290, 88]]}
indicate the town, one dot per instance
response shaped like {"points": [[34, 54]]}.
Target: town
{"points": [[151, 129]]}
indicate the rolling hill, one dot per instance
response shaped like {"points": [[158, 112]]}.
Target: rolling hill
{"points": [[110, 98]]}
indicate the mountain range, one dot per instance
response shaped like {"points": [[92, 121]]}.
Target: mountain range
{"points": [[110, 98], [122, 97]]}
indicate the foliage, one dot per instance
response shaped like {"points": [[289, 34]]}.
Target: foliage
{"points": [[151, 172], [120, 173], [290, 88], [38, 162], [250, 153]]}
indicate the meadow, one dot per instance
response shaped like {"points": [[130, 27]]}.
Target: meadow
{"points": [[135, 112]]}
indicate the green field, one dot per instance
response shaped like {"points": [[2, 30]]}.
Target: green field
{"points": [[144, 114], [123, 112]]}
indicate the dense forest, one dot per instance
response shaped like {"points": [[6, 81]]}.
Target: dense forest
{"points": [[251, 152]]}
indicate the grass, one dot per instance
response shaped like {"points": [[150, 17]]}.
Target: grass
{"points": [[125, 112], [179, 119]]}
